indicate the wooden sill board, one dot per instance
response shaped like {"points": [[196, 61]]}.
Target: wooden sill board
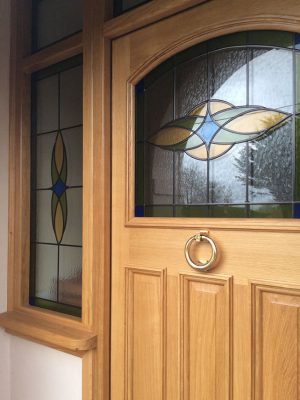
{"points": [[62, 337]]}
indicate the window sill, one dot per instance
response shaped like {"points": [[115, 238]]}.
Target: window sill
{"points": [[59, 336]]}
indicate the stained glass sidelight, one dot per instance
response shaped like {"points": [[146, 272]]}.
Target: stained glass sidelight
{"points": [[217, 130], [56, 187]]}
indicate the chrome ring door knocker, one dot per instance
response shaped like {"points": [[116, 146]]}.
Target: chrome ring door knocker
{"points": [[201, 266]]}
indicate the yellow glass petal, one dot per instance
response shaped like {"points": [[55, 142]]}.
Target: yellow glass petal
{"points": [[216, 106], [200, 153], [200, 110], [170, 136], [255, 121], [216, 150], [59, 222], [59, 153]]}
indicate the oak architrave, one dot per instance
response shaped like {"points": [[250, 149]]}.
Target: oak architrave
{"points": [[146, 14]]}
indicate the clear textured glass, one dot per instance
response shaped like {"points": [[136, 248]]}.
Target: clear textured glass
{"points": [[227, 76], [44, 148], [158, 176], [271, 167], [54, 20], [47, 104], [46, 257], [73, 232], [70, 280], [271, 79], [228, 176], [159, 106], [73, 142], [191, 85], [71, 97], [44, 227], [190, 180], [297, 159]]}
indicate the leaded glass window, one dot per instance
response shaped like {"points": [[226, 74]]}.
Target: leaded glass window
{"points": [[56, 187], [121, 6], [54, 20], [218, 130]]}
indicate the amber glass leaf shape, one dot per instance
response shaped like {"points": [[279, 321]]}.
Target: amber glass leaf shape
{"points": [[59, 196], [213, 127], [176, 131]]}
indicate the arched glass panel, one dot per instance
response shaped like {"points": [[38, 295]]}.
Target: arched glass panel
{"points": [[218, 130]]}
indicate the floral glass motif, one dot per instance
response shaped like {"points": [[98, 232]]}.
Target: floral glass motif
{"points": [[218, 130], [212, 128]]}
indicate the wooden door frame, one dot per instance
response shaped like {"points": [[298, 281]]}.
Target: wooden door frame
{"points": [[140, 52]]}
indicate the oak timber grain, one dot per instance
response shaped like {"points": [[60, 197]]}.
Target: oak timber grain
{"points": [[146, 14], [53, 54], [73, 339], [250, 251]]}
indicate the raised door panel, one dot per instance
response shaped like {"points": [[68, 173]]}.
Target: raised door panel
{"points": [[206, 338], [145, 344], [277, 342]]}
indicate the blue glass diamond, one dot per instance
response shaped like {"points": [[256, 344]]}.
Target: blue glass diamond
{"points": [[59, 188], [207, 130], [297, 41], [139, 211], [296, 210]]}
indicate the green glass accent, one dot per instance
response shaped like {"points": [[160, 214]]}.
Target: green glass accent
{"points": [[230, 211], [224, 136], [192, 211], [158, 211], [192, 142], [58, 307], [63, 202], [271, 38], [224, 116], [297, 82], [271, 211], [54, 201], [189, 123], [297, 159], [235, 39], [139, 173]]}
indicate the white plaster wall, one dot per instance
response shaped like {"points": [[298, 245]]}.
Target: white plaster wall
{"points": [[40, 373], [28, 371]]}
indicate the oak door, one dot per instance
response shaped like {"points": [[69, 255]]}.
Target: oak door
{"points": [[231, 332]]}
